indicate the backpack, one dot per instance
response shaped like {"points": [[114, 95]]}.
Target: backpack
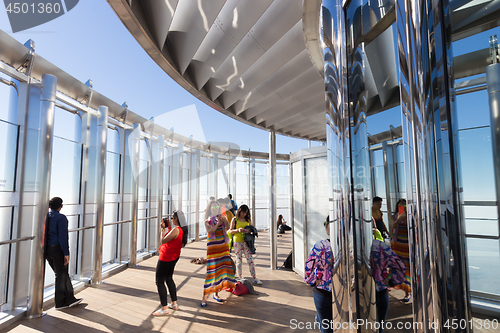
{"points": [[288, 261], [281, 229]]}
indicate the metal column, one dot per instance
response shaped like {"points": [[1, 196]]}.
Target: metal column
{"points": [[197, 209], [180, 181], [134, 160], [37, 264], [234, 180], [290, 182], [249, 177], [252, 190], [161, 173], [102, 131], [493, 82], [388, 174], [215, 170], [272, 200]]}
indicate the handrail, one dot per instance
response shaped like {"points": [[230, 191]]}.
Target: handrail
{"points": [[22, 239], [147, 218], [83, 228], [119, 222]]}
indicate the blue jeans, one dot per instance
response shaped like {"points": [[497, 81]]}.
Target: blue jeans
{"points": [[382, 307], [324, 311]]}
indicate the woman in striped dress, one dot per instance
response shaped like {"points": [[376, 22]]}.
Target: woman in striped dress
{"points": [[220, 273], [400, 245]]}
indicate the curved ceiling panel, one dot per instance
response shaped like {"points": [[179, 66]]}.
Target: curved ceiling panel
{"points": [[245, 58]]}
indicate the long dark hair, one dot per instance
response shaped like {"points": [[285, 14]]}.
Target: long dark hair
{"points": [[181, 219], [280, 219], [208, 210], [244, 208]]}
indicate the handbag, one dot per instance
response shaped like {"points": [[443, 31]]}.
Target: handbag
{"points": [[240, 289]]}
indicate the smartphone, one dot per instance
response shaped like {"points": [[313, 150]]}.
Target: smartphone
{"points": [[401, 209]]}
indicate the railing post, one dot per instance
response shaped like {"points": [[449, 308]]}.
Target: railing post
{"points": [[37, 266], [134, 160], [272, 200], [161, 171], [102, 131]]}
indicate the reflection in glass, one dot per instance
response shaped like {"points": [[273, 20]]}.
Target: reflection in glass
{"points": [[484, 265], [5, 234], [110, 236], [8, 153], [66, 170], [112, 172]]}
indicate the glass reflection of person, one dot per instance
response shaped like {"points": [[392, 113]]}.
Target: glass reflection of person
{"points": [[318, 273], [220, 273], [383, 259], [400, 245], [378, 217]]}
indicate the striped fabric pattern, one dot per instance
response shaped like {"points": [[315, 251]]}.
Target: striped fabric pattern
{"points": [[401, 248], [220, 273]]}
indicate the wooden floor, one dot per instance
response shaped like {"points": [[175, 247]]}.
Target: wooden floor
{"points": [[125, 301]]}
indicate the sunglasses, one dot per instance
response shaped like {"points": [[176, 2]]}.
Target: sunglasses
{"points": [[326, 223], [216, 207]]}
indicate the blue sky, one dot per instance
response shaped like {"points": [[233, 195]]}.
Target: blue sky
{"points": [[90, 42]]}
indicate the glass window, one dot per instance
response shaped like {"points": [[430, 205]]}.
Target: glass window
{"points": [[66, 170], [484, 265], [477, 164], [8, 101], [110, 235], [5, 232], [8, 155], [67, 125], [112, 172]]}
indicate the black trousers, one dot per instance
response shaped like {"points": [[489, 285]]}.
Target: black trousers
{"points": [[64, 289], [164, 274]]}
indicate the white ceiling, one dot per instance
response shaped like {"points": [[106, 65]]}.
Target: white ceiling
{"points": [[245, 58]]}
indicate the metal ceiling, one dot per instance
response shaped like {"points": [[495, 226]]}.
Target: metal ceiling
{"points": [[246, 59]]}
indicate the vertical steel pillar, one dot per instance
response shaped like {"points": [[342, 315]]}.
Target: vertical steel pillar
{"points": [[215, 170], [161, 171], [493, 82], [249, 177], [290, 184], [181, 180], [388, 174], [234, 179], [436, 234], [171, 180], [134, 160], [197, 216], [252, 164], [37, 264], [102, 132], [272, 200]]}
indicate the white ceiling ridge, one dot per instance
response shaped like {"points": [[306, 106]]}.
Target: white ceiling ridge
{"points": [[287, 69], [283, 96], [306, 102], [277, 47]]}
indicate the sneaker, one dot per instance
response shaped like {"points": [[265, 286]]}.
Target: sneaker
{"points": [[62, 307], [257, 281], [75, 303]]}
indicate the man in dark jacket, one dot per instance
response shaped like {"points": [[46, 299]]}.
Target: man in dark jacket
{"points": [[57, 254]]}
